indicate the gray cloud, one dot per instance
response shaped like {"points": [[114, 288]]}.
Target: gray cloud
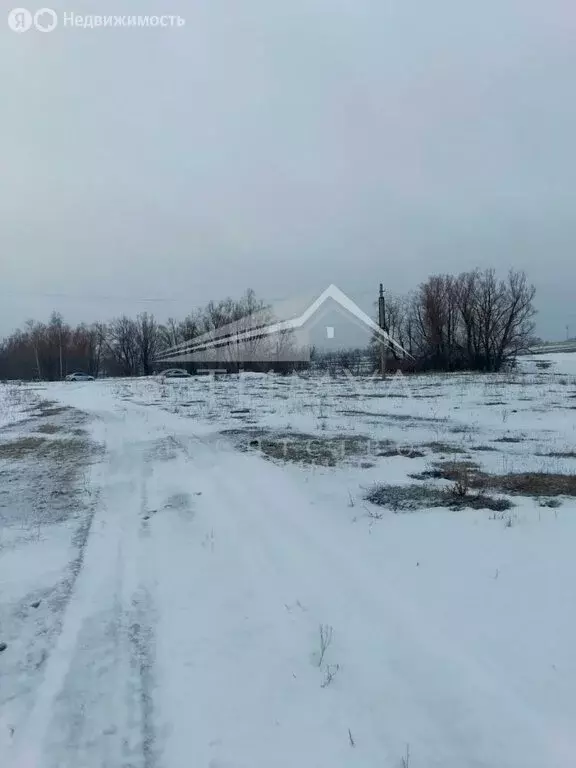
{"points": [[285, 146]]}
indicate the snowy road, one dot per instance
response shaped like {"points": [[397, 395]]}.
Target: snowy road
{"points": [[191, 637]]}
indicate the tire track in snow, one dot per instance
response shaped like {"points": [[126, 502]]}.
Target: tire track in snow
{"points": [[106, 637], [142, 640]]}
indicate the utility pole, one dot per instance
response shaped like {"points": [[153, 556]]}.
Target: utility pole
{"points": [[382, 324], [60, 340]]}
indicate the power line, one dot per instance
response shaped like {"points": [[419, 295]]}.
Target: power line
{"points": [[159, 299], [93, 297]]}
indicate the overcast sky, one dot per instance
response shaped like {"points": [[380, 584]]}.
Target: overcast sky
{"points": [[285, 145]]}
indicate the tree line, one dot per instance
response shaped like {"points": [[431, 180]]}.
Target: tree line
{"points": [[472, 321], [125, 346]]}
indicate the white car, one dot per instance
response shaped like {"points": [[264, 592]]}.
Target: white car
{"points": [[79, 377], [175, 373]]}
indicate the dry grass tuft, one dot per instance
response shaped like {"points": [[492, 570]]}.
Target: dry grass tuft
{"points": [[537, 484], [408, 498], [440, 447], [521, 483], [559, 454], [49, 429], [21, 448]]}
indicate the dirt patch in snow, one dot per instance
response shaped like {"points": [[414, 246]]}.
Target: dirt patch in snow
{"points": [[559, 454], [312, 449], [536, 484], [330, 450], [21, 448], [367, 395], [47, 408], [405, 451], [440, 447], [50, 429], [57, 450], [305, 448], [407, 417], [45, 512], [406, 498], [468, 475], [70, 449]]}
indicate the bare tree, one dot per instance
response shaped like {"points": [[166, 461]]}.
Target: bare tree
{"points": [[86, 348], [474, 321], [170, 333], [57, 338], [122, 342], [515, 323], [147, 338], [35, 332], [466, 297]]}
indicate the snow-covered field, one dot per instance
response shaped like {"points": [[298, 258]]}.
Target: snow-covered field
{"points": [[191, 575]]}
